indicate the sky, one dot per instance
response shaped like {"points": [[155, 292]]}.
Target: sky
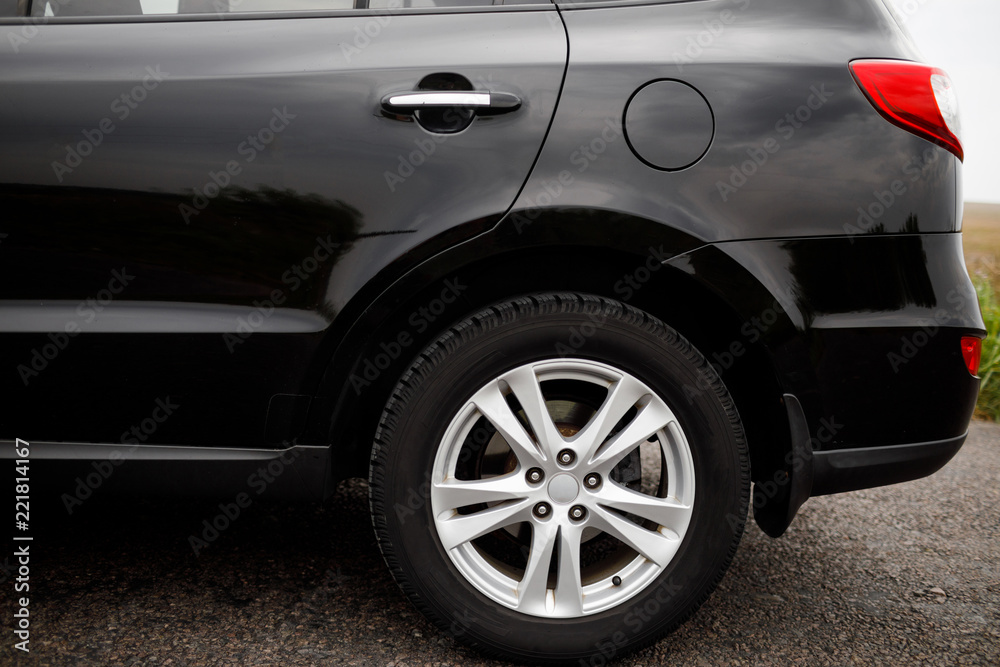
{"points": [[960, 37]]}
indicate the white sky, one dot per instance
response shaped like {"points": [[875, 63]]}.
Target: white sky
{"points": [[159, 6], [960, 37]]}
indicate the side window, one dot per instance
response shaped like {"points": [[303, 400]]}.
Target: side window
{"points": [[11, 8], [70, 8]]}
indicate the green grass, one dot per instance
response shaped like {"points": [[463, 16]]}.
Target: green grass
{"points": [[989, 366]]}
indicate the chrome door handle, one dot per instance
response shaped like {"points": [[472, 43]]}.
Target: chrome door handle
{"points": [[483, 102]]}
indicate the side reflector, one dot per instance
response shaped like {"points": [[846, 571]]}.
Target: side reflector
{"points": [[972, 348]]}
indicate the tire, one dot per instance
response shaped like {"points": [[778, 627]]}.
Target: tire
{"points": [[589, 539]]}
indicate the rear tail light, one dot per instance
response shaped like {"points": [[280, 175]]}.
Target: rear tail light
{"points": [[972, 349], [916, 97]]}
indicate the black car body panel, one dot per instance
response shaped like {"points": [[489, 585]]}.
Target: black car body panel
{"points": [[244, 193], [809, 247]]}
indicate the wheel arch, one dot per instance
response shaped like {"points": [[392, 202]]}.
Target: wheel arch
{"points": [[383, 341]]}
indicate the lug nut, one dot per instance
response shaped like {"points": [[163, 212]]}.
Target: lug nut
{"points": [[535, 475], [566, 457], [592, 481], [542, 510], [577, 512]]}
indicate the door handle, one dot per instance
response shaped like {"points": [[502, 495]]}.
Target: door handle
{"points": [[482, 102]]}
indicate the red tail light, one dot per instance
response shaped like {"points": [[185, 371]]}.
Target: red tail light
{"points": [[972, 348], [916, 97]]}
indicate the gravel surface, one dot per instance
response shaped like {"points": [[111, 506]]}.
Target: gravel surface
{"points": [[898, 575]]}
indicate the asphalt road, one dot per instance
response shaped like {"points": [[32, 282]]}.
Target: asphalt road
{"points": [[899, 575]]}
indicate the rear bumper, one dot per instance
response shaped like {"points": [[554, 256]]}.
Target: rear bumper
{"points": [[814, 472], [863, 334], [862, 468]]}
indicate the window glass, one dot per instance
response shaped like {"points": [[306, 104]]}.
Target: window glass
{"points": [[13, 8], [397, 4], [168, 7]]}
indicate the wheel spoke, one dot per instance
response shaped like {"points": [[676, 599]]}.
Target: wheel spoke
{"points": [[663, 511], [569, 585], [621, 397], [462, 528], [533, 589], [653, 545], [491, 404], [650, 419], [454, 493], [524, 384]]}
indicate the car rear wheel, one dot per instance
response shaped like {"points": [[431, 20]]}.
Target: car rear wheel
{"points": [[559, 477]]}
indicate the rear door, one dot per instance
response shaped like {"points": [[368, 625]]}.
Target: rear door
{"points": [[177, 175]]}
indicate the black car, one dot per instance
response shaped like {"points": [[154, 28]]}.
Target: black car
{"points": [[562, 280]]}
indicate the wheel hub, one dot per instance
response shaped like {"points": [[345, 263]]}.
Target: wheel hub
{"points": [[564, 488]]}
